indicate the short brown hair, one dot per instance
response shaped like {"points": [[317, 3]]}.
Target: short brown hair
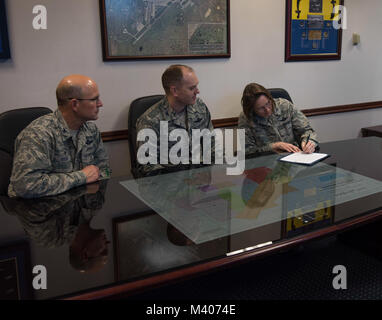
{"points": [[252, 92], [173, 75]]}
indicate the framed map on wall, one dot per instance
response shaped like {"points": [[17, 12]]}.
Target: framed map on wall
{"points": [[313, 30], [165, 29], [4, 43]]}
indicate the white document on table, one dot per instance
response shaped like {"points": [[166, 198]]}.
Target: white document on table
{"points": [[304, 158]]}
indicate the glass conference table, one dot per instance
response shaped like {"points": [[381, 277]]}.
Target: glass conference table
{"points": [[123, 236]]}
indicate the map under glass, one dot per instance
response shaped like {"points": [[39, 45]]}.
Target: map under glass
{"points": [[206, 204], [166, 27]]}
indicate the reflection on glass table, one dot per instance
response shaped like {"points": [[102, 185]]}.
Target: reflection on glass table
{"points": [[268, 191], [65, 219]]}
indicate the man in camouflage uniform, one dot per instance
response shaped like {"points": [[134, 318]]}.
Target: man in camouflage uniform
{"points": [[61, 150], [181, 109], [273, 125]]}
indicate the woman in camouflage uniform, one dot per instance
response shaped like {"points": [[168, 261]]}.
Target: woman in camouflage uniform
{"points": [[273, 125]]}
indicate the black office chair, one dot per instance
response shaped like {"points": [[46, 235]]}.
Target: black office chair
{"points": [[11, 124], [280, 93], [137, 108]]}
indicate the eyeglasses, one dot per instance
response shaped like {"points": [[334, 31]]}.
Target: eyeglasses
{"points": [[97, 99], [268, 105]]}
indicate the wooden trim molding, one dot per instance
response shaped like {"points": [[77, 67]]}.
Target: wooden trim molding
{"points": [[232, 122], [343, 108], [114, 135], [224, 123]]}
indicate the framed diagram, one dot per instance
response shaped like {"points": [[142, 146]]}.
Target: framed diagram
{"points": [[165, 29], [4, 42], [15, 271], [313, 30]]}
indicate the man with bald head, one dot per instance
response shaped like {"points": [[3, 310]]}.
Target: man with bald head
{"points": [[61, 150]]}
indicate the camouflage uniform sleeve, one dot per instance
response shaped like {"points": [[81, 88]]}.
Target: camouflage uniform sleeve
{"points": [[301, 126], [95, 201], [101, 158], [31, 176], [210, 127], [213, 142], [208, 121], [251, 145], [148, 169]]}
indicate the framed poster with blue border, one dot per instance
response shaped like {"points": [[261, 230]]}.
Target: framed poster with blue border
{"points": [[4, 42], [311, 31]]}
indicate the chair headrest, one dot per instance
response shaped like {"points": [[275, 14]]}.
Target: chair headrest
{"points": [[140, 105], [280, 93], [14, 121]]}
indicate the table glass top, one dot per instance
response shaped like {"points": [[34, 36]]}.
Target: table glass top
{"points": [[124, 230], [206, 204]]}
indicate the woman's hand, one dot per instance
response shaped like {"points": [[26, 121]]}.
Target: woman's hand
{"points": [[308, 147], [283, 146]]}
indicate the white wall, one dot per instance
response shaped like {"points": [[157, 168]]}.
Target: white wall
{"points": [[72, 44]]}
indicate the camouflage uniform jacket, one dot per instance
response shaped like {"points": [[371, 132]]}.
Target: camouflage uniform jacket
{"points": [[198, 117], [286, 124], [48, 162]]}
